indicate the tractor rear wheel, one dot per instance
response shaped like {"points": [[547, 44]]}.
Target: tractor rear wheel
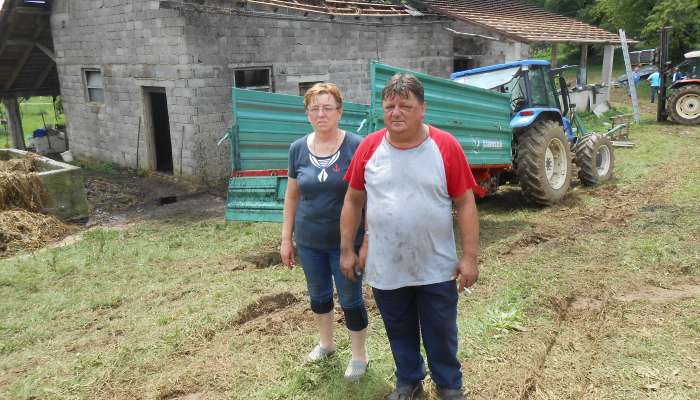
{"points": [[595, 159], [684, 105], [544, 163]]}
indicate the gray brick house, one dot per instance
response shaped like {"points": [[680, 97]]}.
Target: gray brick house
{"points": [[147, 83]]}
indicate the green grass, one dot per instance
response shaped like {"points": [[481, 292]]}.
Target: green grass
{"points": [[150, 310], [35, 112]]}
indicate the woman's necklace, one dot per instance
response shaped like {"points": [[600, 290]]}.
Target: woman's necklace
{"points": [[325, 162], [334, 148]]}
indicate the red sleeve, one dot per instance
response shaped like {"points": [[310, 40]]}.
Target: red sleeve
{"points": [[355, 176], [459, 175]]}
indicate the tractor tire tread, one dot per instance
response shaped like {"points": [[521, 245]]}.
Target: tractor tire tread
{"points": [[671, 104], [586, 159], [530, 166]]}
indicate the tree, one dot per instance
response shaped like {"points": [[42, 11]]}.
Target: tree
{"points": [[684, 17], [641, 19]]}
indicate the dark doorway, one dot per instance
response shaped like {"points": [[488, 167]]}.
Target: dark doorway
{"points": [[161, 132]]}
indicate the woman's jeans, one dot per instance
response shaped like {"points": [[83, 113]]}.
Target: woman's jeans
{"points": [[321, 268]]}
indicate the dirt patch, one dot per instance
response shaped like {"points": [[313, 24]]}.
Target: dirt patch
{"points": [[265, 305], [586, 304], [264, 259], [280, 321], [660, 295], [118, 197], [180, 395]]}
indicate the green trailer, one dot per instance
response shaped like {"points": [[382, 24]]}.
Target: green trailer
{"points": [[265, 124]]}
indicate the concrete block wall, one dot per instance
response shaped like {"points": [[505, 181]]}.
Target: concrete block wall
{"points": [[193, 55], [484, 51], [302, 50], [135, 44]]}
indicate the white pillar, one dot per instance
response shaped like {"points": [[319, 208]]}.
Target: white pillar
{"points": [[608, 55], [516, 50]]}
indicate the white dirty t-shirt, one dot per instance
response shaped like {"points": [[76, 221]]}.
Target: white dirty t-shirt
{"points": [[409, 207]]}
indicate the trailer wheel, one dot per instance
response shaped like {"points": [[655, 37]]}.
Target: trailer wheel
{"points": [[684, 105], [544, 163], [595, 159]]}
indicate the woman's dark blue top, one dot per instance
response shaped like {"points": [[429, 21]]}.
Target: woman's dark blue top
{"points": [[321, 192]]}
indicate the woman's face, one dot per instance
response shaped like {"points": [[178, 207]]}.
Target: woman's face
{"points": [[323, 113]]}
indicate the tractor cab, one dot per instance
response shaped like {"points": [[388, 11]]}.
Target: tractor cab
{"points": [[683, 104], [536, 90], [690, 68]]}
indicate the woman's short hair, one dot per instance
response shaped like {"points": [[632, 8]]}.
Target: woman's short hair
{"points": [[401, 85], [323, 88]]}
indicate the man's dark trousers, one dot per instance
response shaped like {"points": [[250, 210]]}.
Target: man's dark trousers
{"points": [[431, 310]]}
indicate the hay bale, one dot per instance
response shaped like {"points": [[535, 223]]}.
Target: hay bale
{"points": [[24, 230]]}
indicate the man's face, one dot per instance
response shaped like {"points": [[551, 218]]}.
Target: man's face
{"points": [[403, 115]]}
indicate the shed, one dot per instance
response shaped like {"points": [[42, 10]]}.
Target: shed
{"points": [[27, 59], [147, 84]]}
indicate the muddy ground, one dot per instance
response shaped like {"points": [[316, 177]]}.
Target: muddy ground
{"points": [[586, 322]]}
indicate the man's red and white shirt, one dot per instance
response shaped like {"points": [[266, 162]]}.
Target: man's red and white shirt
{"points": [[409, 207]]}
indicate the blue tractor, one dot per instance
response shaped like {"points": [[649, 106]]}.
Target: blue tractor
{"points": [[548, 138]]}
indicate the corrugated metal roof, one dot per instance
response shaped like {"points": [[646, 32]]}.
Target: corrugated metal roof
{"points": [[521, 21]]}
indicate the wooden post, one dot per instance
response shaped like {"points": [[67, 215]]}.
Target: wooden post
{"points": [[15, 123], [554, 55]]}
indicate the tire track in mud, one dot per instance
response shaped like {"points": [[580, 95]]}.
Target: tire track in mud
{"points": [[530, 383], [620, 208]]}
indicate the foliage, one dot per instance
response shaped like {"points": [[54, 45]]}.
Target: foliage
{"points": [[641, 19], [684, 16]]}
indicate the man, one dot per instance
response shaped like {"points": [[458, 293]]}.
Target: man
{"points": [[410, 175], [655, 81], [677, 75]]}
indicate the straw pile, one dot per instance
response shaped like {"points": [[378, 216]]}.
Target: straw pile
{"points": [[24, 230], [20, 185], [22, 196]]}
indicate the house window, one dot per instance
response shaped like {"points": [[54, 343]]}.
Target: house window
{"points": [[304, 86], [259, 79], [94, 88], [462, 64]]}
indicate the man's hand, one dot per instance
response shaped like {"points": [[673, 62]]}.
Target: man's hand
{"points": [[348, 262], [467, 272], [288, 254]]}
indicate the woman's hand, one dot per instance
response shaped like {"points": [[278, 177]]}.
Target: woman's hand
{"points": [[288, 254], [348, 263], [363, 253]]}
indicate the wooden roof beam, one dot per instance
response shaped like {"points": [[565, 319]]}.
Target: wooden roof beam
{"points": [[23, 59], [32, 11], [43, 75]]}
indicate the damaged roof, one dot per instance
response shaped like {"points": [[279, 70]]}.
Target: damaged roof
{"points": [[522, 22], [27, 61], [340, 8]]}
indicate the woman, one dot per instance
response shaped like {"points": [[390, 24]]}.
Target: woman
{"points": [[312, 204]]}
